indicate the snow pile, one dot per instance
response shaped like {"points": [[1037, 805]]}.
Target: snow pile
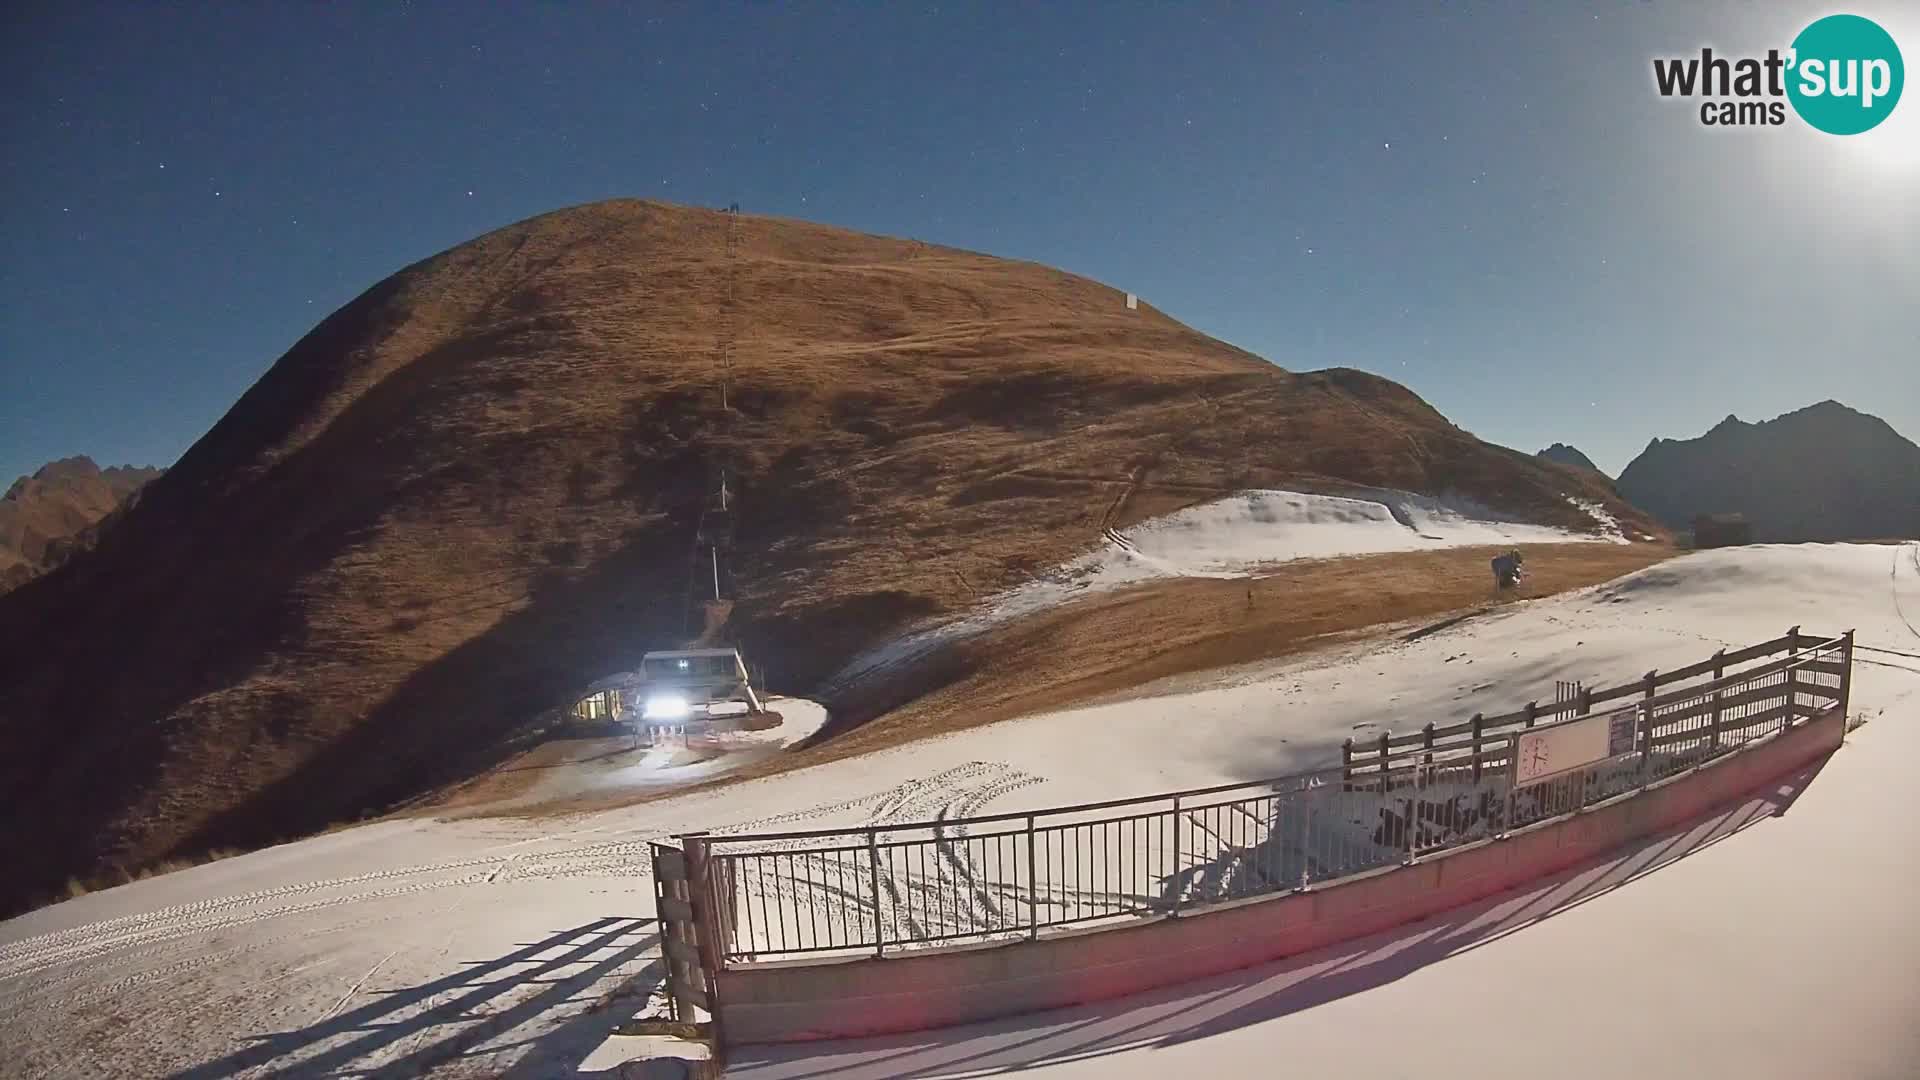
{"points": [[679, 762], [799, 718], [1609, 525], [1237, 537]]}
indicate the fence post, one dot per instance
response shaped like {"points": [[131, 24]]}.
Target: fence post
{"points": [[1646, 724], [1719, 672], [1846, 677], [1427, 743], [1384, 751], [1413, 814], [1479, 722], [661, 891], [873, 861], [1306, 830], [1793, 677], [1033, 886], [1646, 744], [1346, 764], [1513, 771], [1179, 887], [707, 945]]}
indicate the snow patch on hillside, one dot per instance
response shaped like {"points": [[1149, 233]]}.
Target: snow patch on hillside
{"points": [[1238, 537], [1242, 533], [1609, 525]]}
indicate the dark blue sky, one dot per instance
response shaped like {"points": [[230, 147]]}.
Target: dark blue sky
{"points": [[1486, 202]]}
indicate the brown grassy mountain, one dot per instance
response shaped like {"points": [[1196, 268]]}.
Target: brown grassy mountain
{"points": [[474, 489], [1825, 472], [46, 517]]}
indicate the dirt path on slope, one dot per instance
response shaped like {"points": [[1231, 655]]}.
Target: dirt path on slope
{"points": [[1115, 642]]}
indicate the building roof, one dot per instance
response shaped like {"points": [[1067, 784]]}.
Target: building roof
{"points": [[681, 654]]}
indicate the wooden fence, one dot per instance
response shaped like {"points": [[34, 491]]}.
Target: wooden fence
{"points": [[1482, 742]]}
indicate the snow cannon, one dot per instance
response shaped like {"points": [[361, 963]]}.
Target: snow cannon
{"points": [[1506, 570]]}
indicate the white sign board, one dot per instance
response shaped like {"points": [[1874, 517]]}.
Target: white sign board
{"points": [[1547, 752], [1133, 302]]}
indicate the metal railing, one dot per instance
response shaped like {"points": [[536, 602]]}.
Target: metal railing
{"points": [[877, 888]]}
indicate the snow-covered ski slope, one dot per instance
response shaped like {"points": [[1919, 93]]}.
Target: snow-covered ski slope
{"points": [[1238, 536], [485, 947], [1775, 939]]}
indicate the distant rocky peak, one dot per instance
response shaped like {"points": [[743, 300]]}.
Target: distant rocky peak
{"points": [[1563, 454], [1819, 473], [49, 516], [79, 469], [77, 465]]}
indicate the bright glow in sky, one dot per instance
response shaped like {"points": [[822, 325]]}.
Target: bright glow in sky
{"points": [[1491, 206]]}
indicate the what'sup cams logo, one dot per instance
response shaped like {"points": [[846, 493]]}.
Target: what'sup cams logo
{"points": [[1842, 74]]}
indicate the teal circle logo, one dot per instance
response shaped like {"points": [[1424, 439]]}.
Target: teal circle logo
{"points": [[1846, 74]]}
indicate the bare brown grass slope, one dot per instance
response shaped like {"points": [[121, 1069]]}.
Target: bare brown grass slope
{"points": [[473, 490]]}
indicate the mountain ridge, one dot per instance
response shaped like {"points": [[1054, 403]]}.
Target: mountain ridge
{"points": [[54, 512], [1563, 454], [1824, 472], [474, 488]]}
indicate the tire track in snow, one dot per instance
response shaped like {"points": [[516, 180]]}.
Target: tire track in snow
{"points": [[910, 900], [966, 871], [954, 792], [214, 904], [101, 944], [1893, 582], [626, 858]]}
